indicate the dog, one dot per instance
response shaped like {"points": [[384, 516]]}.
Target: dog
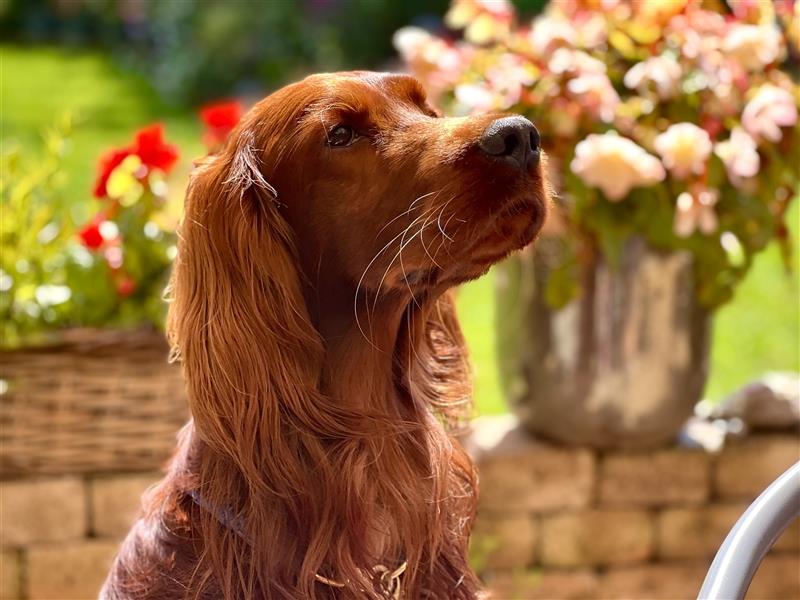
{"points": [[325, 369]]}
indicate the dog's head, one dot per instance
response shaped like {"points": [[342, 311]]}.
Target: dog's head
{"points": [[382, 191], [390, 192]]}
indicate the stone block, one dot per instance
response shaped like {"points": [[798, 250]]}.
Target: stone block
{"points": [[519, 473], [45, 510], [116, 502], [659, 478], [777, 578], [743, 470], [790, 539], [10, 575], [597, 537], [653, 582], [696, 532], [500, 543], [580, 584], [68, 571]]}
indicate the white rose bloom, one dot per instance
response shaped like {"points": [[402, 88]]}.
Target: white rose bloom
{"points": [[615, 165]]}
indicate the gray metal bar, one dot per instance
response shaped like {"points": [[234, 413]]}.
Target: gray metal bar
{"points": [[753, 535]]}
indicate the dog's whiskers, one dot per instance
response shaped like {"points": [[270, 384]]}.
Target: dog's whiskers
{"points": [[452, 239], [403, 244], [410, 208], [364, 274]]}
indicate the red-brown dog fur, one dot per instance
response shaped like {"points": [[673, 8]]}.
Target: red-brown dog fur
{"points": [[325, 365]]}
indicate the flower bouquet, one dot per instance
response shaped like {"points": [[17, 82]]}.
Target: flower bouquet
{"points": [[672, 132]]}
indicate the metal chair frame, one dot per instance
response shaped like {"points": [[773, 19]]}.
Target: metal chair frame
{"points": [[752, 536]]}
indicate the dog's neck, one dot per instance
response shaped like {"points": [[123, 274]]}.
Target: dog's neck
{"points": [[365, 341], [364, 337]]}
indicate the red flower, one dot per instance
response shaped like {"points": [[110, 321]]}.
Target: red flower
{"points": [[126, 287], [90, 235], [150, 147], [220, 119], [713, 125], [107, 163]]}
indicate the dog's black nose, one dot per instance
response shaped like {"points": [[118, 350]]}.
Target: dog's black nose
{"points": [[513, 140]]}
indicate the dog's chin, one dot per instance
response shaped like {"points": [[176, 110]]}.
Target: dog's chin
{"points": [[512, 228]]}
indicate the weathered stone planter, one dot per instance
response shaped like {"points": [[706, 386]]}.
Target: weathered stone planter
{"points": [[622, 365]]}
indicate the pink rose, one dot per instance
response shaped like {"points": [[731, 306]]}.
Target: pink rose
{"points": [[437, 63], [769, 110], [549, 33], [696, 211], [595, 94], [740, 156], [662, 71]]}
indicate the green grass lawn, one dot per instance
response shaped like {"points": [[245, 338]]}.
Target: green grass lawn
{"points": [[757, 332]]}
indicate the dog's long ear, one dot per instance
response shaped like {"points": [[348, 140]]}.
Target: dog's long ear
{"points": [[251, 358], [238, 319]]}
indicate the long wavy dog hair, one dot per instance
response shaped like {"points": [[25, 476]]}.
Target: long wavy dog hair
{"points": [[307, 474]]}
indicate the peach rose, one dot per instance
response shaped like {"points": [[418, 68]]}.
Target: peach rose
{"points": [[769, 110], [684, 148], [588, 83], [615, 165], [752, 46], [558, 30], [504, 83]]}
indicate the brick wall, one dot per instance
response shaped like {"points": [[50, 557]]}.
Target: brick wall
{"points": [[563, 523], [554, 522], [59, 535]]}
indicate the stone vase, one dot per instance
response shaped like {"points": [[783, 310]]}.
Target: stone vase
{"points": [[620, 366]]}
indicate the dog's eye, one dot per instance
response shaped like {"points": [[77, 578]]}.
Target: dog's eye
{"points": [[341, 136]]}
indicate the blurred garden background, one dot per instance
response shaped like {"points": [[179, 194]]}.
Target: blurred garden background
{"points": [[111, 68]]}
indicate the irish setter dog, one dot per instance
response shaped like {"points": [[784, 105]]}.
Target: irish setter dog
{"points": [[323, 360]]}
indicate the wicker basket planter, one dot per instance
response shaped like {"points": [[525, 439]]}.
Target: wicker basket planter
{"points": [[96, 401]]}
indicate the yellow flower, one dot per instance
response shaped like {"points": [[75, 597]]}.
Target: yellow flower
{"points": [[659, 11], [123, 182], [482, 20]]}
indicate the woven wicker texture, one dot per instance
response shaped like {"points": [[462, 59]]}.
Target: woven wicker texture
{"points": [[97, 401]]}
